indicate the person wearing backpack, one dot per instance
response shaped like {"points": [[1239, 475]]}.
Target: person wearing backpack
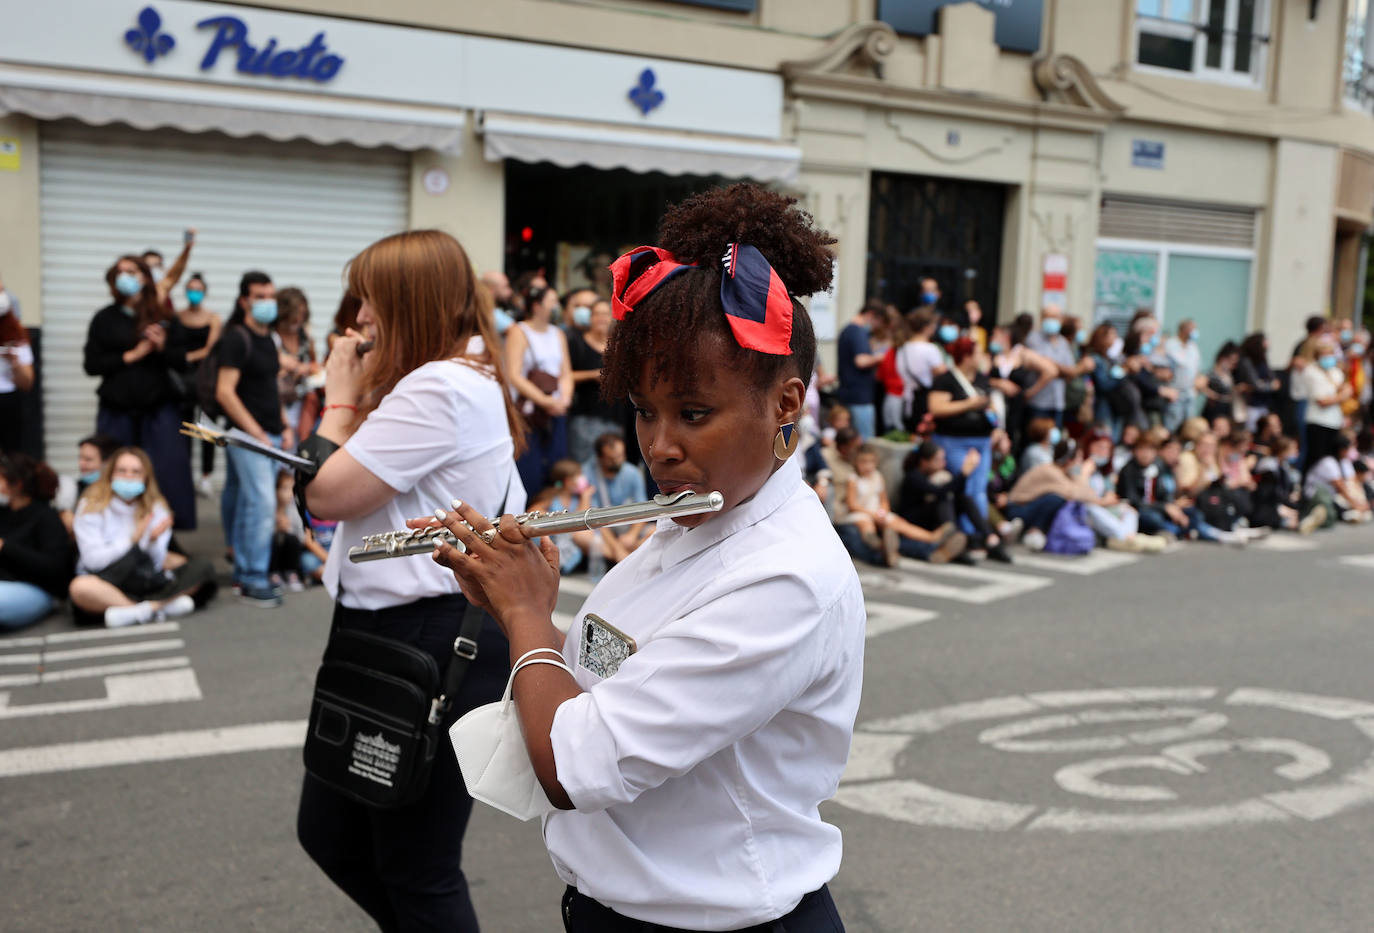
{"points": [[246, 390]]}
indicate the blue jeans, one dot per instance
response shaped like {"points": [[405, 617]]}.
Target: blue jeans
{"points": [[22, 604], [865, 418], [1039, 513], [249, 510], [976, 486], [853, 542], [158, 432], [543, 449], [1179, 411], [1153, 520]]}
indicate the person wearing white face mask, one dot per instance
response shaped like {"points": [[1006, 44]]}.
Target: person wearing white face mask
{"points": [[137, 347], [125, 574], [247, 391], [590, 415], [1327, 390]]}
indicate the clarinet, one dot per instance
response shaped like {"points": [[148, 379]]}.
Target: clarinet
{"points": [[408, 542]]}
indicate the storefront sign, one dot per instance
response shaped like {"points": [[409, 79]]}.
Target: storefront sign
{"points": [[312, 61], [1055, 280], [9, 154], [205, 52], [1147, 153], [149, 40], [1017, 27]]}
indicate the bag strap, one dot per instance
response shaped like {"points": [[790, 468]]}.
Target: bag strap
{"points": [[465, 645]]}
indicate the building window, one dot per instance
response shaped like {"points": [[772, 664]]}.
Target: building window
{"points": [[741, 6], [1359, 62], [1221, 39]]}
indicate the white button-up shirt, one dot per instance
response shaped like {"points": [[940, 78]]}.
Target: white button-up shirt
{"points": [[697, 769]]}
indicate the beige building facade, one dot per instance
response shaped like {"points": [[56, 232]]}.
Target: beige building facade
{"points": [[1208, 159]]}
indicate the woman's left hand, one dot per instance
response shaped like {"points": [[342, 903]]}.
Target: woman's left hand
{"points": [[507, 573]]}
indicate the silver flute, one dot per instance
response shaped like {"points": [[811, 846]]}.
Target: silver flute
{"points": [[410, 541]]}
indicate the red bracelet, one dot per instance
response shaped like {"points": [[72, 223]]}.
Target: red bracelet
{"points": [[352, 408]]}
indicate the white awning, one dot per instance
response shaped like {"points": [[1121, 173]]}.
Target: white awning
{"points": [[148, 105], [565, 143]]}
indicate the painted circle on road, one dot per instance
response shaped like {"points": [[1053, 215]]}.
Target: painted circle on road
{"points": [[1123, 752]]}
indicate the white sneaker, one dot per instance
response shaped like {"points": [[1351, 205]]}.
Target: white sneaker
{"points": [[204, 489], [1231, 539], [183, 605], [294, 584], [120, 616], [1033, 539]]}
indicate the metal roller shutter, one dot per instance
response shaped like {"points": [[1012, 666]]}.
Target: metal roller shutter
{"points": [[1200, 224], [296, 211]]}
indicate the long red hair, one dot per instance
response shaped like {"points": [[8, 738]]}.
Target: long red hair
{"points": [[420, 285]]}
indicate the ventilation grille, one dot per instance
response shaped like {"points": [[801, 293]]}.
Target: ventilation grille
{"points": [[1127, 219]]}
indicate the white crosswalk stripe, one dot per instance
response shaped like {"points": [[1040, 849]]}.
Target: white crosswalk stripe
{"points": [[141, 681]]}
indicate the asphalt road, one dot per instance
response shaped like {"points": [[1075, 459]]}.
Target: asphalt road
{"points": [[1180, 742]]}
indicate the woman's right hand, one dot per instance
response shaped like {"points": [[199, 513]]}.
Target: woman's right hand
{"points": [[139, 350], [343, 371], [142, 527]]}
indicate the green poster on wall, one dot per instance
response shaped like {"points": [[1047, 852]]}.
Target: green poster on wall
{"points": [[1125, 282]]}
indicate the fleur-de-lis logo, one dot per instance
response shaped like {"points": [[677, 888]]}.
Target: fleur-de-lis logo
{"points": [[147, 39], [644, 95]]}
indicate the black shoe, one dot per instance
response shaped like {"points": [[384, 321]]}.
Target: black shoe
{"points": [[999, 554], [966, 559]]}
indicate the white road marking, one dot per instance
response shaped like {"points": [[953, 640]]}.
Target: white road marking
{"points": [[1010, 737], [871, 783], [173, 686], [1364, 561], [887, 617], [1096, 561], [1081, 778], [138, 749], [95, 651], [976, 585], [99, 670], [1288, 542], [1326, 707], [152, 628]]}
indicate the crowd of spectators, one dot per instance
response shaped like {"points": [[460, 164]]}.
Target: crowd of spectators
{"points": [[939, 439], [951, 440]]}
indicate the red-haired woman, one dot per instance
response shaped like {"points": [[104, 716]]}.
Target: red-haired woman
{"points": [[685, 756], [135, 344], [16, 373], [415, 422]]}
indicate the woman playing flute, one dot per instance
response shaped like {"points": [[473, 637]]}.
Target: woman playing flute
{"points": [[685, 779], [415, 419]]}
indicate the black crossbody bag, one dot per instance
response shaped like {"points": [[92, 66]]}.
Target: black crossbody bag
{"points": [[377, 710], [376, 713]]}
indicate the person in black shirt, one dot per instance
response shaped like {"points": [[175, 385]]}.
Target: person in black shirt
{"points": [[137, 347], [35, 552], [590, 415], [933, 496], [247, 391], [958, 400]]}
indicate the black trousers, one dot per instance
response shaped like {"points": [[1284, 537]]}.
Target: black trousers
{"points": [[403, 866], [1321, 442], [815, 914]]}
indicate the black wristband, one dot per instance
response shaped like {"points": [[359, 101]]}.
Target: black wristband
{"points": [[317, 449]]}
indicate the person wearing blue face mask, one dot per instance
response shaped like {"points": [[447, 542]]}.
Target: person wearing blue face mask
{"points": [[856, 364], [1326, 390], [590, 415], [202, 334], [1048, 400], [125, 573], [137, 348], [247, 392]]}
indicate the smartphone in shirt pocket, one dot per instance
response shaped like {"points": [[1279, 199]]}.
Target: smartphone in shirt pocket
{"points": [[603, 647]]}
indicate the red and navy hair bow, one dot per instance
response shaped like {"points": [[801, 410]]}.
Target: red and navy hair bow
{"points": [[756, 302]]}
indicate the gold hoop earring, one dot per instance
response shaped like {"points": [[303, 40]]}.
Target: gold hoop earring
{"points": [[786, 440]]}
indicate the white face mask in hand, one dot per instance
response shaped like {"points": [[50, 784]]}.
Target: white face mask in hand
{"points": [[492, 755]]}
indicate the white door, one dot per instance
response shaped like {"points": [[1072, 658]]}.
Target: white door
{"points": [[296, 211]]}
